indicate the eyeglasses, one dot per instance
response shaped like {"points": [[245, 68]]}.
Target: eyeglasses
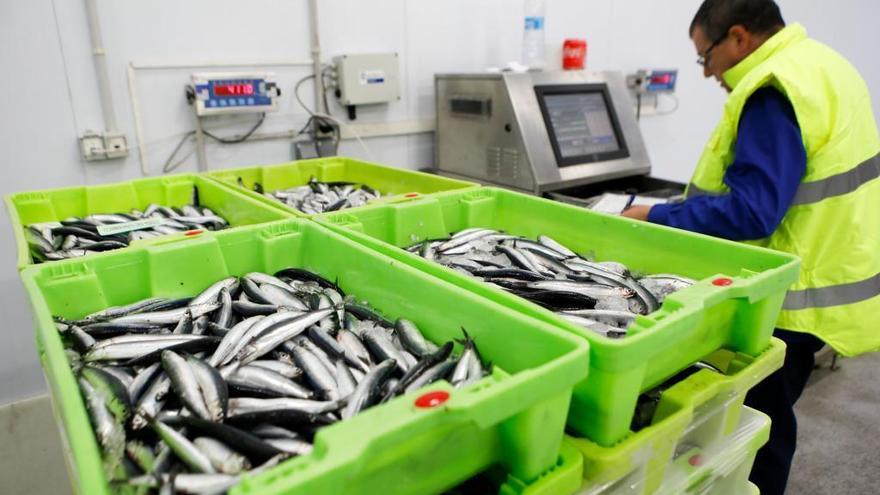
{"points": [[704, 59]]}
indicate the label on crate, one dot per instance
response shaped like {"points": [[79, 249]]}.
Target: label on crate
{"points": [[120, 228]]}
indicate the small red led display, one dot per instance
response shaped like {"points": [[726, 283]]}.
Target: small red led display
{"points": [[234, 89]]}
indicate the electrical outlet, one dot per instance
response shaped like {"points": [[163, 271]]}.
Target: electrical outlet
{"points": [[115, 145], [91, 144], [96, 146]]}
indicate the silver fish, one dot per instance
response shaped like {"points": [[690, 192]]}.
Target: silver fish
{"points": [[382, 346], [254, 377], [291, 445], [242, 406], [345, 381], [183, 448], [213, 387], [431, 375], [354, 349], [168, 317], [232, 340], [558, 247], [368, 390], [412, 338], [275, 336], [321, 378], [111, 435], [284, 369], [224, 459], [184, 381], [209, 296]]}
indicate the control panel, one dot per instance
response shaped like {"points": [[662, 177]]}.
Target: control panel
{"points": [[652, 81], [233, 92]]}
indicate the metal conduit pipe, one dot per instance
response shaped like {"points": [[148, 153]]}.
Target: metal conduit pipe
{"points": [[101, 67]]}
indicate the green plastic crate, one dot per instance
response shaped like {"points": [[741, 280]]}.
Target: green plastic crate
{"points": [[514, 418], [691, 323], [400, 183], [564, 478], [174, 190], [695, 417]]}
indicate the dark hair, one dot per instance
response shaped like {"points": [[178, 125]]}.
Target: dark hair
{"points": [[716, 17]]}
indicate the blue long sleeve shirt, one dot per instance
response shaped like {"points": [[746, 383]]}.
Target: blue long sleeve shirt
{"points": [[769, 164]]}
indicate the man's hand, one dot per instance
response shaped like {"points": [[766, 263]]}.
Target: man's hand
{"points": [[637, 212]]}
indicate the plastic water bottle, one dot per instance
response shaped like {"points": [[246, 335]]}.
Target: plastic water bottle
{"points": [[533, 36]]}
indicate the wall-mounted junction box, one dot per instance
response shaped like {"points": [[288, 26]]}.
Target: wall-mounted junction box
{"points": [[365, 79]]}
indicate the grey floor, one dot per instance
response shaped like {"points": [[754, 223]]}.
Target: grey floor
{"points": [[839, 438], [839, 431], [30, 449]]}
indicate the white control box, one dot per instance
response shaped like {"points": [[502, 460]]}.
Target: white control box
{"points": [[368, 78]]}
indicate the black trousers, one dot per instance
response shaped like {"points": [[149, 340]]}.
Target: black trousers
{"points": [[776, 397]]}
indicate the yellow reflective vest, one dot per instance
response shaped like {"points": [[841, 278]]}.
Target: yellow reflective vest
{"points": [[833, 224]]}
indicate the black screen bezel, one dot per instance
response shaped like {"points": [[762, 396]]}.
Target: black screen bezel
{"points": [[567, 89]]}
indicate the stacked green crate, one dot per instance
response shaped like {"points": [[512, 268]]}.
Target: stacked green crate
{"points": [[696, 421]]}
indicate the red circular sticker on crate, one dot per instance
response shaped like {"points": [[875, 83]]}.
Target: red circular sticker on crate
{"points": [[432, 399], [722, 282]]}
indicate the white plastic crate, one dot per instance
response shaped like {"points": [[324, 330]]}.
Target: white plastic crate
{"points": [[724, 468]]}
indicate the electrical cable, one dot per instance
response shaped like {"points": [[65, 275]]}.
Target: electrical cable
{"points": [[327, 118], [296, 93], [351, 129], [240, 139], [318, 119], [673, 109], [638, 107], [168, 167], [326, 86]]}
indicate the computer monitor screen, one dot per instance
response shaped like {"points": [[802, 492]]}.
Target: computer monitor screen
{"points": [[581, 123]]}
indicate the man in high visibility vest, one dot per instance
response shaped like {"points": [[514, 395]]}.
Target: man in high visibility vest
{"points": [[794, 165]]}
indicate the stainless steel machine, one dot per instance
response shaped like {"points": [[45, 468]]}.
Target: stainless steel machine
{"points": [[570, 135]]}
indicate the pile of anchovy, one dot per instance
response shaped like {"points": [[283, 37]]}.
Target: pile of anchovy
{"points": [[75, 237], [319, 197], [602, 296], [187, 395]]}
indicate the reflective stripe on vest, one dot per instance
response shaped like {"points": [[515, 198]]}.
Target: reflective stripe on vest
{"points": [[835, 295], [813, 192], [838, 185]]}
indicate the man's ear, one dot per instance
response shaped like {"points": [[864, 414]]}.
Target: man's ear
{"points": [[741, 37]]}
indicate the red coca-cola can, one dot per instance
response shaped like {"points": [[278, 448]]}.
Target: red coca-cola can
{"points": [[574, 54]]}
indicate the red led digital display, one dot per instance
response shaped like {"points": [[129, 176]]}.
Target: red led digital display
{"points": [[234, 89], [664, 79]]}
